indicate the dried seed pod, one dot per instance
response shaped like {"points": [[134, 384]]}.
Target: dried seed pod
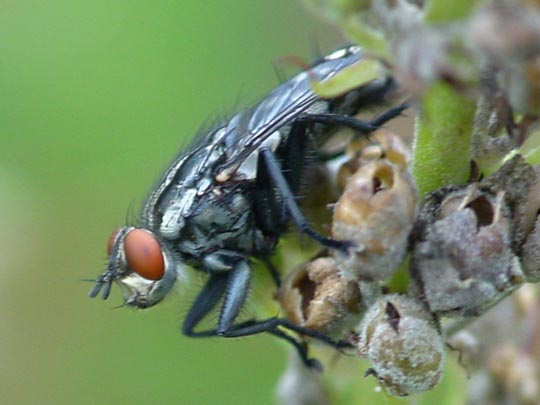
{"points": [[402, 342], [530, 255], [521, 184], [376, 212], [315, 296], [464, 263], [382, 144]]}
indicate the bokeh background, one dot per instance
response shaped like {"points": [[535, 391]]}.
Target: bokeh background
{"points": [[96, 99]]}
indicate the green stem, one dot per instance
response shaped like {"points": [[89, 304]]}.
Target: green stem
{"points": [[443, 138]]}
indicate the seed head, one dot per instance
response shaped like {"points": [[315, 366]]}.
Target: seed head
{"points": [[400, 339], [315, 296], [376, 212]]}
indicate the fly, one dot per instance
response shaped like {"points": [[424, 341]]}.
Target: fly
{"points": [[229, 197]]}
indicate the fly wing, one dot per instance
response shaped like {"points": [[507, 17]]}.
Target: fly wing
{"points": [[247, 130]]}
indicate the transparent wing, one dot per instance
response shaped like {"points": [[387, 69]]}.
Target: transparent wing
{"points": [[247, 130]]}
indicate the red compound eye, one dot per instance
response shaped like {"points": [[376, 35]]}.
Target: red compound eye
{"points": [[110, 242], [143, 254]]}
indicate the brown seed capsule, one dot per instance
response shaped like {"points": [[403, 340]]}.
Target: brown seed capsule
{"points": [[381, 145], [375, 212], [527, 207], [464, 263], [521, 184], [530, 255], [400, 339], [315, 296]]}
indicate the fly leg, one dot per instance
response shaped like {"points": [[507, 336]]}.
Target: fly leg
{"points": [[234, 299], [287, 176], [362, 127], [205, 302], [236, 291], [230, 277], [274, 172], [378, 92], [274, 273], [271, 205], [253, 327], [238, 330], [232, 283], [272, 326], [235, 296]]}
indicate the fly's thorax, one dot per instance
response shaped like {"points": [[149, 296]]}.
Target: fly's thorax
{"points": [[220, 219], [142, 266], [191, 174]]}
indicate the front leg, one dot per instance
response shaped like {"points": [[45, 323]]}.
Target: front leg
{"points": [[236, 292], [230, 277], [205, 302]]}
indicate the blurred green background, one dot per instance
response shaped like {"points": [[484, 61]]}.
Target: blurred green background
{"points": [[97, 97]]}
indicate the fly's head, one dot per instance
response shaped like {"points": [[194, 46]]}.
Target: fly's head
{"points": [[143, 268]]}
